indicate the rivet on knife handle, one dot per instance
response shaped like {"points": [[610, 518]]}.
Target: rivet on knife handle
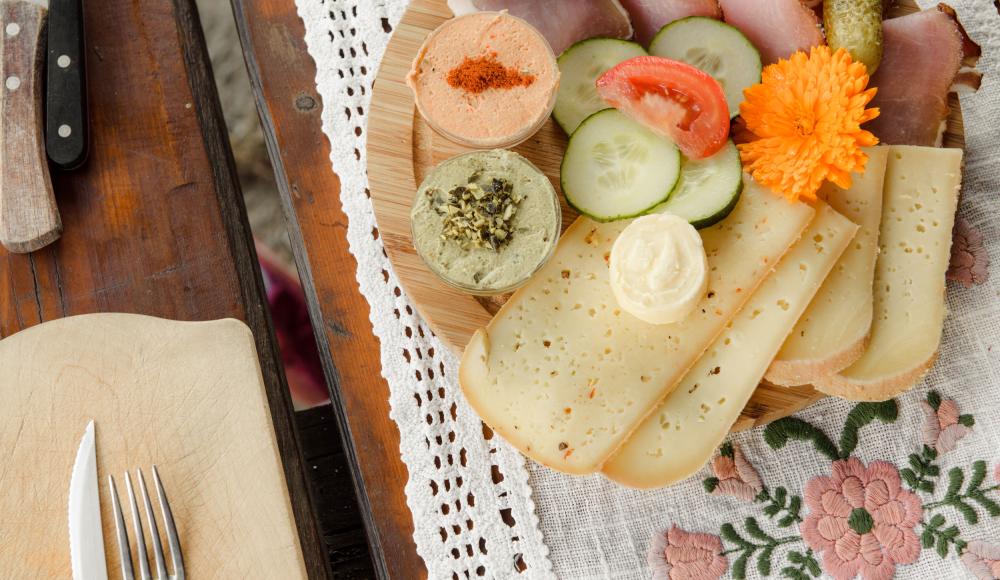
{"points": [[66, 87], [29, 218]]}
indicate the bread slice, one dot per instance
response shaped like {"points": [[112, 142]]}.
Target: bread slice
{"points": [[678, 438], [565, 375], [833, 332], [921, 195]]}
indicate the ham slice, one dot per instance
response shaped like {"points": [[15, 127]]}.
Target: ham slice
{"points": [[649, 16], [778, 28], [561, 22], [922, 54]]}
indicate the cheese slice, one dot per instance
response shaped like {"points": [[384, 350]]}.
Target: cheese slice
{"points": [[678, 438], [833, 332], [564, 374], [921, 195]]}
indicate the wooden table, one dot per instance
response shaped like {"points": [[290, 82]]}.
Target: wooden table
{"points": [[283, 77], [155, 223]]}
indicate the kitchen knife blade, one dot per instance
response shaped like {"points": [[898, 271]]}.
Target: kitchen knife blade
{"points": [[66, 87], [86, 538]]}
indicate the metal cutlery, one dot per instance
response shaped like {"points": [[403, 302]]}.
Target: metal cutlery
{"points": [[86, 541], [173, 543]]}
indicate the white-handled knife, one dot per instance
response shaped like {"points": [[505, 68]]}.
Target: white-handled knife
{"points": [[86, 538]]}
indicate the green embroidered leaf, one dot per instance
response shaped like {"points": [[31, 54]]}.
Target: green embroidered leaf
{"points": [[955, 478], [988, 504], [934, 399], [710, 483], [772, 510], [927, 486], [966, 510], [812, 564], [726, 450], [950, 532], [909, 477], [932, 470], [967, 420], [794, 505], [753, 528], [786, 521], [942, 547], [728, 532], [937, 521], [778, 433], [779, 495], [740, 567], [930, 453], [959, 545], [862, 414], [927, 538], [764, 561], [978, 475], [796, 557]]}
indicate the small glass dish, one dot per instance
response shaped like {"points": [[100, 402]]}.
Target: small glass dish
{"points": [[495, 117], [537, 224]]}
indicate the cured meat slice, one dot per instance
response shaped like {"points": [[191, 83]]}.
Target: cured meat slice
{"points": [[922, 54], [778, 28], [649, 16], [561, 22]]}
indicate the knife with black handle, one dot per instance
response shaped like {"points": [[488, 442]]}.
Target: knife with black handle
{"points": [[66, 88], [29, 218]]}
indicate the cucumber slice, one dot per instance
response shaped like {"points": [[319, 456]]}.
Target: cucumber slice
{"points": [[580, 66], [708, 188], [714, 47], [614, 168]]}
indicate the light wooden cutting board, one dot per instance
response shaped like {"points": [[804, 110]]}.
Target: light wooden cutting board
{"points": [[188, 397]]}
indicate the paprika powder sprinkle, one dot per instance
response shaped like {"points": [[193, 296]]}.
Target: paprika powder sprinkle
{"points": [[477, 75]]}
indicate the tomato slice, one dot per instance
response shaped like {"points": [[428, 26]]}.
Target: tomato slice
{"points": [[672, 98]]}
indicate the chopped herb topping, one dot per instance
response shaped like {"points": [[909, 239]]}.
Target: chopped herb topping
{"points": [[478, 216]]}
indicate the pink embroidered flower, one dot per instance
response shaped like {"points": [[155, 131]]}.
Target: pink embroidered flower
{"points": [[862, 520], [996, 473], [942, 429], [969, 260], [679, 555], [983, 560], [737, 477]]}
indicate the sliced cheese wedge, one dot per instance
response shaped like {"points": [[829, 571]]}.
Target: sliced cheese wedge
{"points": [[564, 374], [833, 332], [678, 438], [921, 195]]}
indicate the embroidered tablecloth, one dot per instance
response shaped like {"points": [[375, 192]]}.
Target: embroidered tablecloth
{"points": [[909, 487]]}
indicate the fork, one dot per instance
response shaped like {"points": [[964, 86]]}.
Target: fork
{"points": [[121, 533]]}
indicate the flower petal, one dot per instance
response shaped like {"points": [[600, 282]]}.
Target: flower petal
{"points": [[947, 413], [870, 550], [950, 436], [848, 546], [834, 503], [854, 492], [931, 429]]}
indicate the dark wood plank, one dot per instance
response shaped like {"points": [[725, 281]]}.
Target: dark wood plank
{"points": [[154, 222], [283, 78]]}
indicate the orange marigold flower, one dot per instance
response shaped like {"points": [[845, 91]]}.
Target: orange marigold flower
{"points": [[806, 117]]}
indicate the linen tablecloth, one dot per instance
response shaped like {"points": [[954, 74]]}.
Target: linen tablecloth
{"points": [[906, 488]]}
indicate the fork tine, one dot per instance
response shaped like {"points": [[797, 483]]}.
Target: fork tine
{"points": [[140, 539], [168, 523], [124, 553], [161, 567]]}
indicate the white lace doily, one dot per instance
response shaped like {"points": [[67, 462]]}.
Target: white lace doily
{"points": [[473, 508]]}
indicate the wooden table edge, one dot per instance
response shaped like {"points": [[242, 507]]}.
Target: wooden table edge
{"points": [[302, 100], [251, 285]]}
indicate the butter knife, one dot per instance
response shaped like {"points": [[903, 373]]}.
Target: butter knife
{"points": [[29, 218], [86, 538]]}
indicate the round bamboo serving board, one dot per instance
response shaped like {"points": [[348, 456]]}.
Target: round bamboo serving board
{"points": [[402, 149]]}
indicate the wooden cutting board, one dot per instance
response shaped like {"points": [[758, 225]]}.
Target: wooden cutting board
{"points": [[401, 150], [188, 397]]}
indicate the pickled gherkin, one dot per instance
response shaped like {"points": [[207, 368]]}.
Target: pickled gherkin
{"points": [[856, 26]]}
